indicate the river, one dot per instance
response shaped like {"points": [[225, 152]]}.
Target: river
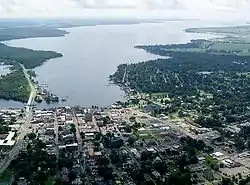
{"points": [[92, 53]]}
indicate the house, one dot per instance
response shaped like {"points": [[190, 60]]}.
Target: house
{"points": [[228, 163], [89, 136], [50, 131], [7, 141], [73, 146], [151, 150], [88, 117], [135, 152], [217, 155]]}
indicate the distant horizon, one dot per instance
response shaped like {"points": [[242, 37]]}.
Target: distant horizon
{"points": [[184, 9]]}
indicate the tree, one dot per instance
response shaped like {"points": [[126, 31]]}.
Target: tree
{"points": [[127, 129], [32, 136], [182, 162], [105, 172], [239, 144], [41, 177], [106, 120], [40, 144], [161, 167], [180, 114], [98, 136], [65, 163], [12, 120], [145, 156], [73, 128], [103, 161], [2, 122], [82, 135], [132, 119], [4, 129], [58, 182], [179, 179], [60, 128], [114, 157], [131, 140], [227, 181], [29, 147], [72, 175], [117, 144]]}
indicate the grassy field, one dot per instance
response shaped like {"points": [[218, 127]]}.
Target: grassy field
{"points": [[50, 181], [6, 178], [143, 135], [245, 48], [233, 38], [218, 47], [234, 31]]}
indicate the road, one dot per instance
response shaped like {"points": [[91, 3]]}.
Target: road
{"points": [[79, 138], [33, 92], [24, 129], [80, 148], [125, 146], [56, 139]]}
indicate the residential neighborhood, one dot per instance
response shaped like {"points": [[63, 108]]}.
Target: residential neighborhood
{"points": [[116, 145]]}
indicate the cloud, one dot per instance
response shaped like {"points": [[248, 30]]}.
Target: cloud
{"points": [[120, 8]]}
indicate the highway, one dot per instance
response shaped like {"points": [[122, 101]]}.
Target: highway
{"points": [[33, 92], [57, 138], [24, 129]]}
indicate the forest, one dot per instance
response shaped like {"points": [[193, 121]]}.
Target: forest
{"points": [[14, 86], [10, 33], [29, 58]]}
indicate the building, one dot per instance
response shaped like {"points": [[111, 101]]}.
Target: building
{"points": [[228, 163], [89, 136], [217, 155], [73, 146], [7, 141], [88, 117], [50, 131]]}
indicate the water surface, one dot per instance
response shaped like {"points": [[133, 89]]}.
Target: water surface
{"points": [[92, 53]]}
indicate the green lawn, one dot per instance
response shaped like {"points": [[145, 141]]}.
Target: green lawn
{"points": [[50, 181], [147, 136], [218, 45], [6, 178]]}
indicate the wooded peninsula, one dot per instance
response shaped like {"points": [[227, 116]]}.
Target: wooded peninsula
{"points": [[14, 85], [208, 80]]}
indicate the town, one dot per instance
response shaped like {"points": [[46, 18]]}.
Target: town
{"points": [[120, 144]]}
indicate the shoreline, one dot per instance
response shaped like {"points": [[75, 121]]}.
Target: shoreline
{"points": [[124, 89]]}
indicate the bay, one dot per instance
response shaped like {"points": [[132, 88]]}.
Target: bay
{"points": [[92, 53]]}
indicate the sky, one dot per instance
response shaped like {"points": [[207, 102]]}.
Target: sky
{"points": [[202, 9]]}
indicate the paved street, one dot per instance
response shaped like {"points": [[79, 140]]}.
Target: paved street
{"points": [[79, 139], [24, 130]]}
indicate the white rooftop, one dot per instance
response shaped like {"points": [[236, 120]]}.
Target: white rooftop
{"points": [[218, 154], [8, 140]]}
